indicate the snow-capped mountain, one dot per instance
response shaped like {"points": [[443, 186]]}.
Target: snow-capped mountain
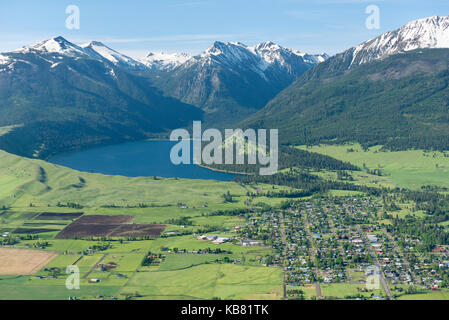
{"points": [[60, 96], [228, 80], [98, 49], [273, 53], [57, 45], [432, 32], [55, 49], [232, 80], [389, 91], [164, 61], [259, 58]]}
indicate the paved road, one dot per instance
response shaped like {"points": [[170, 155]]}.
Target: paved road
{"points": [[340, 247], [284, 252], [383, 281], [313, 253]]}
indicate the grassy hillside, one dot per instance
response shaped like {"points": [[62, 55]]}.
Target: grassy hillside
{"points": [[26, 181]]}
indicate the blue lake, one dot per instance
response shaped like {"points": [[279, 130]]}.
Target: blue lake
{"points": [[135, 159]]}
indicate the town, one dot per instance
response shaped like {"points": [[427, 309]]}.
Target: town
{"points": [[336, 244]]}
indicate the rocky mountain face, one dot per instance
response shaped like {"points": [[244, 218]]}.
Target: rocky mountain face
{"points": [[231, 81]]}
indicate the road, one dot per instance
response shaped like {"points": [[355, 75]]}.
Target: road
{"points": [[312, 252], [383, 281], [340, 248], [284, 252], [95, 266]]}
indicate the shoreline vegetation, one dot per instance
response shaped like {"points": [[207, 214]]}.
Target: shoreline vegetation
{"points": [[225, 171]]}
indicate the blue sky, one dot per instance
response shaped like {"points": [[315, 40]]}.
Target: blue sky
{"points": [[136, 27]]}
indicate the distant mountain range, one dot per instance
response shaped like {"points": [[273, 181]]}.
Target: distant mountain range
{"points": [[391, 90], [57, 96], [231, 81]]}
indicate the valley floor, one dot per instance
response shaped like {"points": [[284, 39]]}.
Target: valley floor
{"points": [[223, 240]]}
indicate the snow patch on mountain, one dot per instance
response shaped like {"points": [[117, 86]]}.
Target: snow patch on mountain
{"points": [[164, 61], [98, 49], [258, 58], [273, 53], [55, 45], [4, 59]]}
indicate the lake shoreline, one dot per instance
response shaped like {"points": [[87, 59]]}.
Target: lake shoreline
{"points": [[225, 171]]}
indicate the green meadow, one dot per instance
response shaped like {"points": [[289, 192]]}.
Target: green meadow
{"points": [[26, 181], [408, 169], [224, 281]]}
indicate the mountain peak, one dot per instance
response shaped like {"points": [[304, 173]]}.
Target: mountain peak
{"points": [[55, 45], [164, 61], [431, 32], [219, 47], [95, 43], [99, 50], [268, 45]]}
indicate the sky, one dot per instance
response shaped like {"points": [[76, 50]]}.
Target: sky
{"points": [[136, 27]]}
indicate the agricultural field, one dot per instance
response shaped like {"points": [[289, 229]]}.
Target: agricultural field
{"points": [[23, 262], [208, 280]]}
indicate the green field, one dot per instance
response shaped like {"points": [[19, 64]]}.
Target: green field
{"points": [[223, 281], [408, 169], [427, 295]]}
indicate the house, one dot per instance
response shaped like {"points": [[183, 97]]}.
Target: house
{"points": [[220, 240]]}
